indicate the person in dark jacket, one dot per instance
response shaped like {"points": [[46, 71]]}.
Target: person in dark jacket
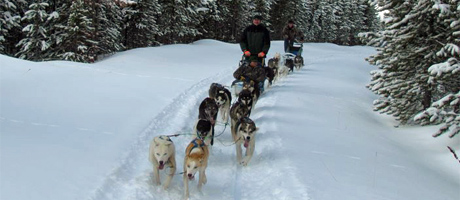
{"points": [[251, 71], [255, 40], [290, 33]]}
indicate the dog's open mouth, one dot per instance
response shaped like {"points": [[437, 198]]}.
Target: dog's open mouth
{"points": [[162, 165], [246, 143]]}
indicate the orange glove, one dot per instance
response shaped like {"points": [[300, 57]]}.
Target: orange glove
{"points": [[247, 53], [261, 54]]}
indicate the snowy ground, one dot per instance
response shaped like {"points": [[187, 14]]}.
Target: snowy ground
{"points": [[81, 131]]}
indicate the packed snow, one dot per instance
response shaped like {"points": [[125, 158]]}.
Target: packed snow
{"points": [[78, 131]]}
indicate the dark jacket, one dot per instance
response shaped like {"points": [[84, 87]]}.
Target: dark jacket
{"points": [[291, 33], [255, 39], [256, 74]]}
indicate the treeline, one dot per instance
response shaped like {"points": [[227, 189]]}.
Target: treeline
{"points": [[85, 30], [418, 55]]}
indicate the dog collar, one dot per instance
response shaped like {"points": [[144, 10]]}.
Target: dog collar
{"points": [[199, 137]]}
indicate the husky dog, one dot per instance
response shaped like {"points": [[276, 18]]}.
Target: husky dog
{"points": [[252, 87], [298, 61], [196, 160], [203, 130], [246, 98], [273, 64], [245, 131], [270, 74], [223, 98], [238, 111], [162, 153], [208, 110], [289, 63]]}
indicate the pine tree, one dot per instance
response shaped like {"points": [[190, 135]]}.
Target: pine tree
{"points": [[75, 38], [279, 18], [140, 28], [107, 20], [179, 21], [36, 41], [409, 45], [240, 17], [445, 75], [212, 24], [324, 22], [311, 6], [343, 22], [9, 22]]}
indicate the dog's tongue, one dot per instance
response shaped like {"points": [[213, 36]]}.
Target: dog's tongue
{"points": [[246, 143], [213, 121], [161, 166]]}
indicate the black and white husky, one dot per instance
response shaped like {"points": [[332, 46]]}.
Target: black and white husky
{"points": [[223, 98], [298, 61], [208, 110], [245, 132], [203, 130]]}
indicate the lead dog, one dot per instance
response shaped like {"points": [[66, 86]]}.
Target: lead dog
{"points": [[208, 110], [245, 131], [223, 98], [162, 153], [196, 160]]}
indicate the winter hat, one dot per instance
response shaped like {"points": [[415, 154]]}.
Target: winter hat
{"points": [[259, 17]]}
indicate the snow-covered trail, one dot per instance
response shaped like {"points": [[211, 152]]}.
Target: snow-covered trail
{"points": [[226, 180], [133, 178]]}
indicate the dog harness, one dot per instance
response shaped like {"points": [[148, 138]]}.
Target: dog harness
{"points": [[195, 143]]}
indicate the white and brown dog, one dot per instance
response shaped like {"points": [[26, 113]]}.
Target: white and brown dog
{"points": [[196, 160], [245, 131], [162, 153], [223, 98]]}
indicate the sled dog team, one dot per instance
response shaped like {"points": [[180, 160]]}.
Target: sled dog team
{"points": [[243, 130]]}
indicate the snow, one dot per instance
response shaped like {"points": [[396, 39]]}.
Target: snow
{"points": [[81, 131]]}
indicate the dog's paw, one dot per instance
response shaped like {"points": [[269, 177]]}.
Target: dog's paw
{"points": [[205, 180], [245, 161]]}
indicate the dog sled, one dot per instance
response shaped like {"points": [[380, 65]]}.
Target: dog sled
{"points": [[293, 56], [238, 85], [295, 49]]}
